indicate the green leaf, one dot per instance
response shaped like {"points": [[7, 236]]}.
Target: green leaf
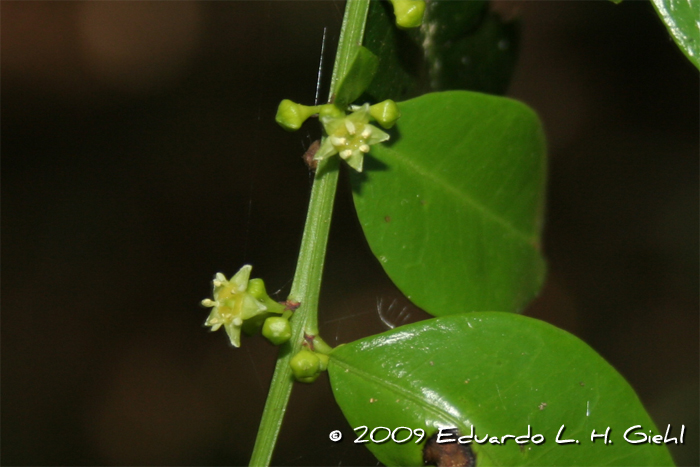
{"points": [[400, 56], [483, 60], [452, 206], [682, 18], [497, 372], [461, 45], [362, 70], [451, 20]]}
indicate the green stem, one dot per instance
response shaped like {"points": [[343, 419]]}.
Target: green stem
{"points": [[307, 278]]}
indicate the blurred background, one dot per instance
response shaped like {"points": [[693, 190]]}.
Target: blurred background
{"points": [[140, 156]]}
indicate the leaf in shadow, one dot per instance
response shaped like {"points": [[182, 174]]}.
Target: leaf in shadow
{"points": [[461, 45]]}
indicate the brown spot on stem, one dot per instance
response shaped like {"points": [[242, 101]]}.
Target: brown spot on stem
{"points": [[310, 153], [309, 341]]}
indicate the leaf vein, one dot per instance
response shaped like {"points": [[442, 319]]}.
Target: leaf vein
{"points": [[462, 196], [420, 401]]}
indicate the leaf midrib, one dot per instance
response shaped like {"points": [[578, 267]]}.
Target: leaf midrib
{"points": [[467, 200], [398, 389], [417, 400]]}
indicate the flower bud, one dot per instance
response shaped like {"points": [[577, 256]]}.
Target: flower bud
{"points": [[277, 330], [306, 366], [256, 288], [409, 13], [291, 115], [385, 113]]}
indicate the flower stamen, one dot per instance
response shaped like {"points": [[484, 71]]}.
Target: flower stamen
{"points": [[350, 126]]}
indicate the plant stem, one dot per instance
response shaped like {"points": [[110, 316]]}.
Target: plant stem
{"points": [[307, 278]]}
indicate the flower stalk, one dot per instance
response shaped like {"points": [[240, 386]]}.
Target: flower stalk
{"points": [[307, 278]]}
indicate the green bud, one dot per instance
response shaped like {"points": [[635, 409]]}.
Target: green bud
{"points": [[409, 13], [385, 113], [306, 366], [277, 330], [256, 288], [291, 115]]}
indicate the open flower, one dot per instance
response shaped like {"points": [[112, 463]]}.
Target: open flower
{"points": [[350, 137], [232, 304]]}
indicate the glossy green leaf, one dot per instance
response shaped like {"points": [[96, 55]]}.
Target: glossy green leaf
{"points": [[359, 76], [452, 206], [497, 372], [682, 18], [461, 45]]}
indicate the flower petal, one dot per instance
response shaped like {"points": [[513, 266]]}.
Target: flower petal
{"points": [[332, 124], [361, 115], [234, 334], [251, 307], [376, 135], [214, 319], [240, 280], [355, 160], [326, 150]]}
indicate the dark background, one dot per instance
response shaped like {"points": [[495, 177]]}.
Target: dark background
{"points": [[140, 156]]}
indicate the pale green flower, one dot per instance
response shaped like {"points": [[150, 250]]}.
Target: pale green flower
{"points": [[350, 137], [232, 304]]}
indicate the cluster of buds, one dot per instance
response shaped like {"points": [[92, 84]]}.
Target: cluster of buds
{"points": [[241, 303], [310, 361], [349, 136]]}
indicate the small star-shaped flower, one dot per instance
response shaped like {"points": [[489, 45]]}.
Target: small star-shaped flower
{"points": [[350, 136], [232, 304]]}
